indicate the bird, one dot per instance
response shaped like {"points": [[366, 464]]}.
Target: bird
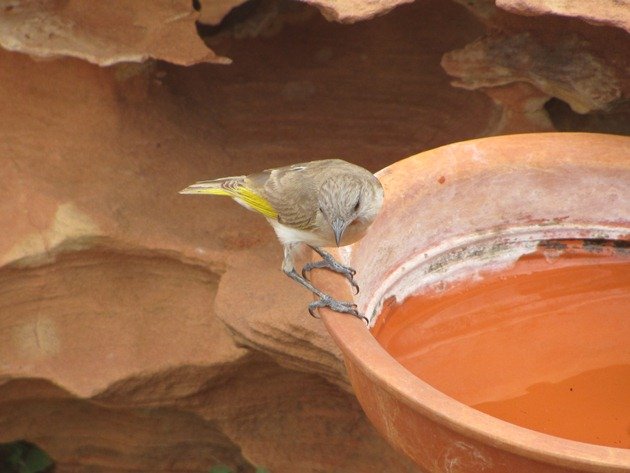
{"points": [[319, 203]]}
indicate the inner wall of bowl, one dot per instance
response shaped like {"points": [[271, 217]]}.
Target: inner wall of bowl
{"points": [[450, 210], [463, 258]]}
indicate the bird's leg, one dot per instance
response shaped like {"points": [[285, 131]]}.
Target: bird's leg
{"points": [[324, 299], [332, 264]]}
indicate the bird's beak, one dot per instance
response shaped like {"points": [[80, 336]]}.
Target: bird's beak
{"points": [[338, 226]]}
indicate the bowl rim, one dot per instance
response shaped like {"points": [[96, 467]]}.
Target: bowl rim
{"points": [[361, 349]]}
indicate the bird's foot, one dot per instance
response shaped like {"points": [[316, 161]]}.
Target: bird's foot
{"points": [[338, 268], [324, 299], [337, 306], [328, 262]]}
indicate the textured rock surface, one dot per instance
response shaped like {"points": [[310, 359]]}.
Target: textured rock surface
{"points": [[105, 32], [349, 11], [584, 82], [145, 330], [525, 61], [213, 11], [148, 331], [606, 12], [108, 289]]}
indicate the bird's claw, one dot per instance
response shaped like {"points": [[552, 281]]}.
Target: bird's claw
{"points": [[333, 265], [337, 306]]}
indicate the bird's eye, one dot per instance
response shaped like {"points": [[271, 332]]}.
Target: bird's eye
{"points": [[321, 210], [356, 206]]}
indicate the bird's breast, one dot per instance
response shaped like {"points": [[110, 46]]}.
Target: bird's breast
{"points": [[288, 235], [319, 237]]}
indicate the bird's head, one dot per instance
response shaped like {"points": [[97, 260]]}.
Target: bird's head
{"points": [[350, 201]]}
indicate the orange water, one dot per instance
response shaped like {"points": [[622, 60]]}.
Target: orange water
{"points": [[544, 344]]}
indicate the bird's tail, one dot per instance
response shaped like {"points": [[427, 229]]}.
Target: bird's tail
{"points": [[236, 188], [221, 186]]}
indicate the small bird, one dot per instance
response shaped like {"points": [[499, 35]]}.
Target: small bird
{"points": [[319, 203]]}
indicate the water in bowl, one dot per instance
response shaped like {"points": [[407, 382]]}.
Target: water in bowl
{"points": [[544, 344]]}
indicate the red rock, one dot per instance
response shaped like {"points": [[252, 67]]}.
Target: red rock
{"points": [[118, 295], [537, 59], [603, 12], [350, 11], [213, 11], [127, 296], [106, 33]]}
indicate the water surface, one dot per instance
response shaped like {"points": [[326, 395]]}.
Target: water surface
{"points": [[544, 344]]}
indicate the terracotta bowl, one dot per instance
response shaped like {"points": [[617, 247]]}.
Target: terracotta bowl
{"points": [[467, 204]]}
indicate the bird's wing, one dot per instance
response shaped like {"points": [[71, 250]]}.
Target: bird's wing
{"points": [[287, 194], [238, 189], [291, 191]]}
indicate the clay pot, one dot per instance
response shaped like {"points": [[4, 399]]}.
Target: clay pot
{"points": [[462, 205]]}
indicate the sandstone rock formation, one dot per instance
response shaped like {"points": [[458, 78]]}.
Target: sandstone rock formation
{"points": [[523, 62], [599, 12], [105, 32], [147, 331], [349, 11], [211, 12]]}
